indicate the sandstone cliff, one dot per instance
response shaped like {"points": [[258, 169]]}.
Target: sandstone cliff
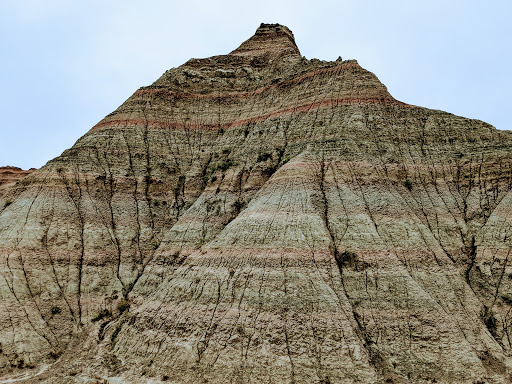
{"points": [[258, 217]]}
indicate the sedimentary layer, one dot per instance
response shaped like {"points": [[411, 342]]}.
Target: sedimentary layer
{"points": [[260, 217], [11, 175]]}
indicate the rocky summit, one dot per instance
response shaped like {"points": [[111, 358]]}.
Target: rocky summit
{"points": [[258, 217]]}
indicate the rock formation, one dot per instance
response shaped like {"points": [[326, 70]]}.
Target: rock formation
{"points": [[11, 175], [258, 217]]}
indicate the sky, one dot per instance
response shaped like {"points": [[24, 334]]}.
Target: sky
{"points": [[65, 64]]}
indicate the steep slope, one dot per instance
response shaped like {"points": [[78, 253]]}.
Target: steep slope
{"points": [[260, 217]]}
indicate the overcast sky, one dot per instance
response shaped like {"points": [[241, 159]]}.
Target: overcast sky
{"points": [[65, 64]]}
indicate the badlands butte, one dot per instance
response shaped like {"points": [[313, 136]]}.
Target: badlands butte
{"points": [[258, 217]]}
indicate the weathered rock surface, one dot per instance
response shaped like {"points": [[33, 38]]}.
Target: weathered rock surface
{"points": [[258, 217], [11, 175]]}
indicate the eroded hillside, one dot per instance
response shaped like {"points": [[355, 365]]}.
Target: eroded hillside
{"points": [[11, 175], [259, 217]]}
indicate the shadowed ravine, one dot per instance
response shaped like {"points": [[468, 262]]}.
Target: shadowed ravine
{"points": [[258, 217]]}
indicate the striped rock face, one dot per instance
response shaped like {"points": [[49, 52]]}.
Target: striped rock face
{"points": [[11, 175], [258, 217]]}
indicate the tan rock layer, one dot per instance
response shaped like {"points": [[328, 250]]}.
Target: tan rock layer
{"points": [[10, 175], [283, 112], [301, 239]]}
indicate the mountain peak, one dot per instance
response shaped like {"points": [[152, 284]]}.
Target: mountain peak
{"points": [[270, 40], [260, 217]]}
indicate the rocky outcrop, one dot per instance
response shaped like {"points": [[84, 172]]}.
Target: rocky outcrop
{"points": [[11, 175], [260, 217]]}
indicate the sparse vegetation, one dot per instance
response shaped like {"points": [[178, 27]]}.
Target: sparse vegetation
{"points": [[347, 258], [56, 310], [271, 170], [408, 184], [224, 165], [263, 157], [123, 306], [54, 355], [238, 205], [490, 321], [103, 314]]}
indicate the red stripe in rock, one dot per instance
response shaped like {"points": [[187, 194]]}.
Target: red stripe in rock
{"points": [[184, 95], [255, 119]]}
